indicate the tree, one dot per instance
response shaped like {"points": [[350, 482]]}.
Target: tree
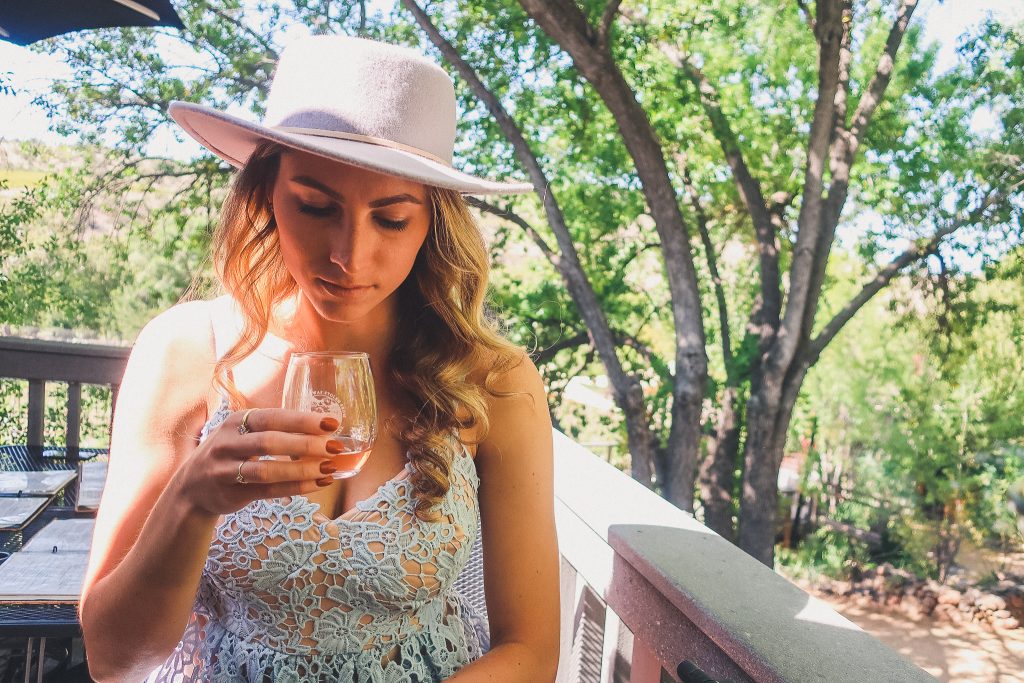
{"points": [[662, 138], [927, 424], [782, 323]]}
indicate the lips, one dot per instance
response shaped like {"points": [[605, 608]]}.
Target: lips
{"points": [[343, 289]]}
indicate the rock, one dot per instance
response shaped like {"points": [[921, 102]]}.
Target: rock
{"points": [[949, 596], [1005, 624], [990, 602], [927, 604]]}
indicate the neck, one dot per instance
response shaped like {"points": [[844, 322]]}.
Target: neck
{"points": [[304, 329]]}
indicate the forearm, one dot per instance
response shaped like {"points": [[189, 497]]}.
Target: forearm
{"points": [[134, 616], [511, 663]]}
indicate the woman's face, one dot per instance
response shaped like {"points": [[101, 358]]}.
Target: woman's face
{"points": [[348, 236]]}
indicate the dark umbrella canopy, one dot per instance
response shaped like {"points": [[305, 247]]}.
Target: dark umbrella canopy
{"points": [[26, 21]]}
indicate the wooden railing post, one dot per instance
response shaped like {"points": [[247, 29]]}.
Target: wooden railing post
{"points": [[36, 411], [74, 427]]}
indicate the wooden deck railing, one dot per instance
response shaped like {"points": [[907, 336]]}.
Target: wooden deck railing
{"points": [[40, 361], [644, 586]]}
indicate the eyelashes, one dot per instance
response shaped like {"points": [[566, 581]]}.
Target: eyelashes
{"points": [[318, 211], [328, 211], [391, 225]]}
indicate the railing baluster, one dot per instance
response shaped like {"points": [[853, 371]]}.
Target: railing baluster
{"points": [[618, 650], [588, 639], [645, 667], [74, 414], [36, 411]]}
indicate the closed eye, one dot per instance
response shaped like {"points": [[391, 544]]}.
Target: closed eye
{"points": [[390, 224], [318, 211]]}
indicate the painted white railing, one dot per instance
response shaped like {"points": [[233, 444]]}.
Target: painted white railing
{"points": [[645, 587]]}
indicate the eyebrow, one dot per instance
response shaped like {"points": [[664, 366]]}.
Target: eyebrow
{"points": [[375, 204]]}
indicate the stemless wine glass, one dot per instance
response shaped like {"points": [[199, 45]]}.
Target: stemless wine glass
{"points": [[339, 385]]}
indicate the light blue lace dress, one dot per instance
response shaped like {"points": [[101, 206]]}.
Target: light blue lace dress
{"points": [[288, 595]]}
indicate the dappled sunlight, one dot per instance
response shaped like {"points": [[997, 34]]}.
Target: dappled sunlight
{"points": [[818, 612], [965, 653]]}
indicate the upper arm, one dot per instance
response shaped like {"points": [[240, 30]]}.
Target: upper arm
{"points": [[515, 462], [160, 409]]}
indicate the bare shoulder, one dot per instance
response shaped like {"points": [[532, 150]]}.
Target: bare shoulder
{"points": [[517, 407], [169, 370], [510, 375], [177, 340], [183, 325]]}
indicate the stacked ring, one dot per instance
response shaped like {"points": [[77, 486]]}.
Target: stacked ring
{"points": [[238, 477], [243, 427]]}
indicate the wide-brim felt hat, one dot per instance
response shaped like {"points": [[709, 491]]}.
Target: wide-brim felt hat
{"points": [[373, 105]]}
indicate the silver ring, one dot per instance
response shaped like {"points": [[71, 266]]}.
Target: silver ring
{"points": [[243, 428], [238, 477]]}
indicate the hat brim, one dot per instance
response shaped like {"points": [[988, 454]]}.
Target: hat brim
{"points": [[234, 139]]}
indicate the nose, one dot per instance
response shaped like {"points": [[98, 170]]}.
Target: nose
{"points": [[352, 245]]}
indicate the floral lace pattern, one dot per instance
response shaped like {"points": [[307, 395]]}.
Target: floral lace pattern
{"points": [[288, 594]]}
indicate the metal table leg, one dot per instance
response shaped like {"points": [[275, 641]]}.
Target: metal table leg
{"points": [[28, 661], [41, 660]]}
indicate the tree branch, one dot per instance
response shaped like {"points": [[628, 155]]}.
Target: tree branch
{"points": [[546, 355], [568, 264], [806, 12], [607, 20], [748, 186], [268, 48], [917, 251], [566, 24], [870, 98], [711, 258], [509, 215], [844, 146], [829, 32]]}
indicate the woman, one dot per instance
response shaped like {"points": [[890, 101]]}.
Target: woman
{"points": [[344, 230]]}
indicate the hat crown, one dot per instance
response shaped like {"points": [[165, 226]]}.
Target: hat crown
{"points": [[348, 85]]}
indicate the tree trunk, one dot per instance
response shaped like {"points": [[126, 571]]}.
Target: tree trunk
{"points": [[639, 437], [716, 471], [760, 495], [566, 24]]}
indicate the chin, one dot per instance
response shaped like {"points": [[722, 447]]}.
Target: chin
{"points": [[338, 312]]}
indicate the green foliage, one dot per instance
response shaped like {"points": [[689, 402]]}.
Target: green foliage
{"points": [[94, 429], [929, 420], [825, 553], [108, 239]]}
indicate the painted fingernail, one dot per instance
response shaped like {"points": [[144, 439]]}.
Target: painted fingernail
{"points": [[328, 424], [334, 447], [328, 467], [326, 481]]}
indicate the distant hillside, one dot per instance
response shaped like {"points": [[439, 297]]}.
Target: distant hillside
{"points": [[23, 163]]}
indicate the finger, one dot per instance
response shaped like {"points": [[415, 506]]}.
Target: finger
{"points": [[284, 420], [297, 446], [276, 471]]}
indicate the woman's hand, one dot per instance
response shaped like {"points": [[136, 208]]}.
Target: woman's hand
{"points": [[225, 473]]}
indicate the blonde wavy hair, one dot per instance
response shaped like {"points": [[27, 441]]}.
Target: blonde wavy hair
{"points": [[443, 332]]}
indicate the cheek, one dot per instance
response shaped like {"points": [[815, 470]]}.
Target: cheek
{"points": [[296, 247], [403, 257]]}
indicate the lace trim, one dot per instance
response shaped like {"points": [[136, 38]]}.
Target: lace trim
{"points": [[289, 594]]}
